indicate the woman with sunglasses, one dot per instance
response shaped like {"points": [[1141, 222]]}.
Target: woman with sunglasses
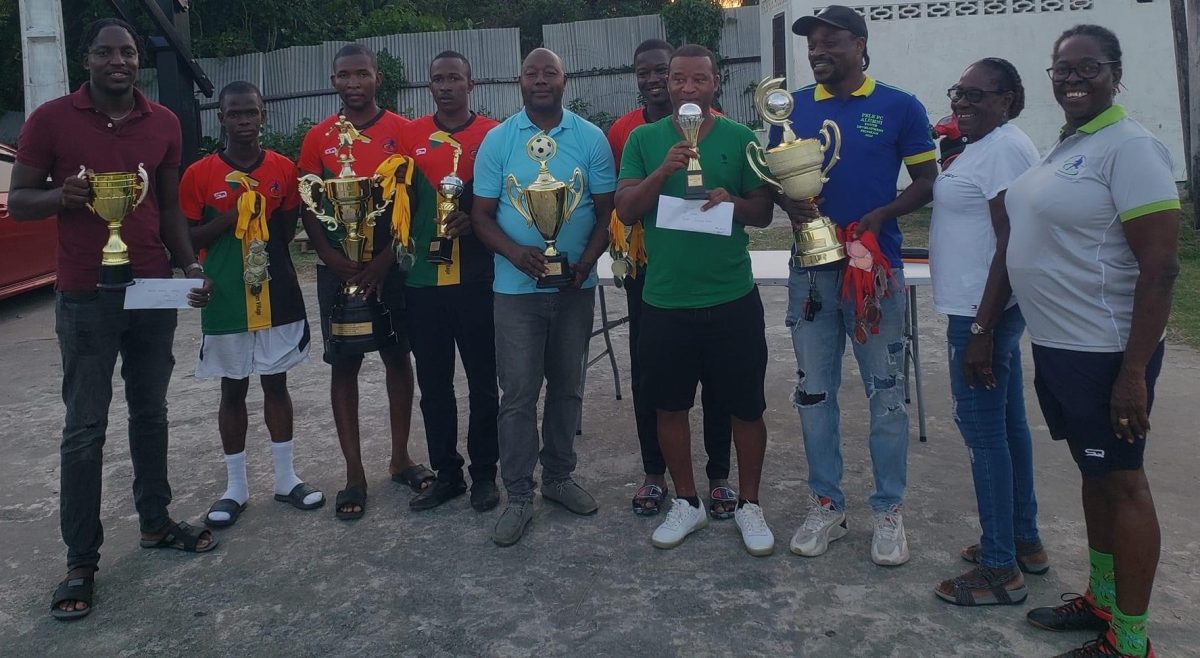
{"points": [[1092, 257], [967, 243]]}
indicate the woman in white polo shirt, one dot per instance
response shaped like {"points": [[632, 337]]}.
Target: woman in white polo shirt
{"points": [[967, 243], [1093, 256]]}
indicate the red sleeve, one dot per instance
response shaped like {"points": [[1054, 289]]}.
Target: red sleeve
{"points": [[35, 145], [191, 197], [291, 190], [310, 152]]}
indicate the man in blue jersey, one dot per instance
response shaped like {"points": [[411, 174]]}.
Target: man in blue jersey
{"points": [[882, 127]]}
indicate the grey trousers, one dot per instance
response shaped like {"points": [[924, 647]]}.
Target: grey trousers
{"points": [[540, 336]]}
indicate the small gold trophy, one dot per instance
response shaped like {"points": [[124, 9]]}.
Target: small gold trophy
{"points": [[547, 204], [114, 196], [797, 169], [352, 198], [449, 190], [690, 118]]}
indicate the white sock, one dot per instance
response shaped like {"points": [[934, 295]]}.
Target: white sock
{"points": [[236, 489], [285, 473]]}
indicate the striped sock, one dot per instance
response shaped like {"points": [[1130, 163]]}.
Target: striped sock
{"points": [[1130, 633], [1102, 583]]}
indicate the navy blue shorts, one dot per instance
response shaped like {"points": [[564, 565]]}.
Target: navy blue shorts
{"points": [[1074, 390]]}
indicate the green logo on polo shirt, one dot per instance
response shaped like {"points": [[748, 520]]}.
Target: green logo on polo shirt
{"points": [[870, 125]]}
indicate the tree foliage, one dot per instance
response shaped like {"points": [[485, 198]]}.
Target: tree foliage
{"points": [[694, 21]]}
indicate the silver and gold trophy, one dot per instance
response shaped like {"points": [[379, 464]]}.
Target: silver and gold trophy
{"points": [[355, 208], [449, 191], [547, 204], [114, 196], [796, 167], [690, 118]]}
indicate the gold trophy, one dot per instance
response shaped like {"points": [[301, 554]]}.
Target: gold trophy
{"points": [[797, 169], [690, 117], [357, 323], [547, 204], [449, 190], [114, 196]]}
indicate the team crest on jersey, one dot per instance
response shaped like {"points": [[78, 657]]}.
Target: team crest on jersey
{"points": [[1073, 166], [275, 189], [389, 145]]}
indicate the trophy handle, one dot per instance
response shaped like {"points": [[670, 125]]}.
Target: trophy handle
{"points": [[576, 175], [307, 183], [145, 178], [513, 189], [758, 164], [86, 175], [830, 131]]}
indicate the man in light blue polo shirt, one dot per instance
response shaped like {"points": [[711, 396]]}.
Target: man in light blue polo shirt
{"points": [[541, 333], [883, 127]]}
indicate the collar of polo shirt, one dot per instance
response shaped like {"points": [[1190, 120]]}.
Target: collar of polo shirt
{"points": [[524, 122], [866, 89], [1103, 120]]}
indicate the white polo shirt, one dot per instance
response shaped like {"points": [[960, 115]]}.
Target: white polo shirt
{"points": [[1072, 270], [962, 240]]}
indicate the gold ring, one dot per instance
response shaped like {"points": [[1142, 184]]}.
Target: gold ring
{"points": [[1123, 422]]}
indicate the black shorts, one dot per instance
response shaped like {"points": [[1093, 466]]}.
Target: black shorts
{"points": [[328, 285], [1074, 390], [723, 348]]}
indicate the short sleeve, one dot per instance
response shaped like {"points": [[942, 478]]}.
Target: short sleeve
{"points": [[602, 172], [617, 137], [191, 197], [291, 190], [174, 155], [489, 166], [35, 144], [1141, 180], [633, 160], [916, 137], [1003, 165], [310, 153]]}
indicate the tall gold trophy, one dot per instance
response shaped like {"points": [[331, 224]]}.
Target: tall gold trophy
{"points": [[690, 118], [449, 191], [357, 324], [547, 204], [797, 168], [114, 196]]}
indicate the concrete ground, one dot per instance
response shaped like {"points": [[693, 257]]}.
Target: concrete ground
{"points": [[285, 582]]}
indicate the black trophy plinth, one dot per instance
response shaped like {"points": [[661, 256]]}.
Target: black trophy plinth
{"points": [[560, 274], [115, 277], [352, 325], [441, 251]]}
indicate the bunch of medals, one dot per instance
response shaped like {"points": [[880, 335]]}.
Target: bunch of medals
{"points": [[255, 272]]}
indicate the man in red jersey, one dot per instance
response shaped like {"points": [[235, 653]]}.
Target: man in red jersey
{"points": [[355, 77], [651, 62], [450, 303]]}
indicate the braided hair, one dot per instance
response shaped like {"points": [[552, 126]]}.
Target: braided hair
{"points": [[1108, 41], [1008, 80]]}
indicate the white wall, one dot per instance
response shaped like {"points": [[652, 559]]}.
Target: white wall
{"points": [[928, 54]]}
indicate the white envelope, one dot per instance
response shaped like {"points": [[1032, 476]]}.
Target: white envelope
{"points": [[159, 293], [684, 215]]}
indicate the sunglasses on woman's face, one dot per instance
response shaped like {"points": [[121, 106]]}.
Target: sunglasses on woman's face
{"points": [[1086, 69]]}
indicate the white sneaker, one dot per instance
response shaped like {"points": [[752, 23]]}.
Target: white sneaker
{"points": [[756, 536], [822, 525], [682, 520], [889, 546]]}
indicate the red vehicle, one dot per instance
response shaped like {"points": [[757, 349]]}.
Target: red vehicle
{"points": [[27, 249]]}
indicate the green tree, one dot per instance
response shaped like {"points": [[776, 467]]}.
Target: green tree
{"points": [[694, 21]]}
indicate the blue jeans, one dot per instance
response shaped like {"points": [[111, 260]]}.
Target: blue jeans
{"points": [[819, 345], [996, 432], [93, 329], [540, 337]]}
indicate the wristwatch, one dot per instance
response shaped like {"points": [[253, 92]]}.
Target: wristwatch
{"points": [[193, 266], [978, 330]]}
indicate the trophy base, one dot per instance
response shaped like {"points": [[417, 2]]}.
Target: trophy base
{"points": [[560, 275], [695, 194], [441, 251], [115, 277], [352, 326], [818, 244]]}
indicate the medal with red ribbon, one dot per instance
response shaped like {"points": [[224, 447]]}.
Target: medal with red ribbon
{"points": [[867, 280]]}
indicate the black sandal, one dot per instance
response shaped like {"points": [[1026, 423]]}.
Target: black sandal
{"points": [[228, 506], [649, 493], [722, 496], [297, 495], [80, 589], [418, 477], [350, 496], [182, 537], [962, 588]]}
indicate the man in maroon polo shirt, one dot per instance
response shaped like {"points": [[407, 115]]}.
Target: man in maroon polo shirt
{"points": [[108, 126]]}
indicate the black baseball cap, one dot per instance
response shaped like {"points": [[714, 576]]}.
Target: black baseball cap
{"points": [[839, 16]]}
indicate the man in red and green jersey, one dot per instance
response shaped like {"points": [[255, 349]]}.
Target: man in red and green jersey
{"points": [[651, 62], [355, 77], [243, 205], [451, 303]]}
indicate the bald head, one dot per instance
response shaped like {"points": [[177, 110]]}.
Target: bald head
{"points": [[543, 81]]}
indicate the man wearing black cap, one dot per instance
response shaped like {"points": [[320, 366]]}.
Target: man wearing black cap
{"points": [[881, 127]]}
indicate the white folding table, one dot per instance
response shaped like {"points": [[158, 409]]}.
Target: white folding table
{"points": [[771, 269]]}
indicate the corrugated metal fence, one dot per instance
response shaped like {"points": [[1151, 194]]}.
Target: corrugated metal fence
{"points": [[598, 56]]}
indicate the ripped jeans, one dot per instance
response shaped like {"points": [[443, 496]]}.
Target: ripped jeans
{"points": [[819, 345]]}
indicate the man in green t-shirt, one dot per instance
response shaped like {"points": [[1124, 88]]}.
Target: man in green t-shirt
{"points": [[703, 319]]}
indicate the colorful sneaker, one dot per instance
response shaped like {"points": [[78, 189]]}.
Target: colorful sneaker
{"points": [[889, 546], [756, 536], [822, 525], [682, 520], [1103, 646], [1077, 613]]}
